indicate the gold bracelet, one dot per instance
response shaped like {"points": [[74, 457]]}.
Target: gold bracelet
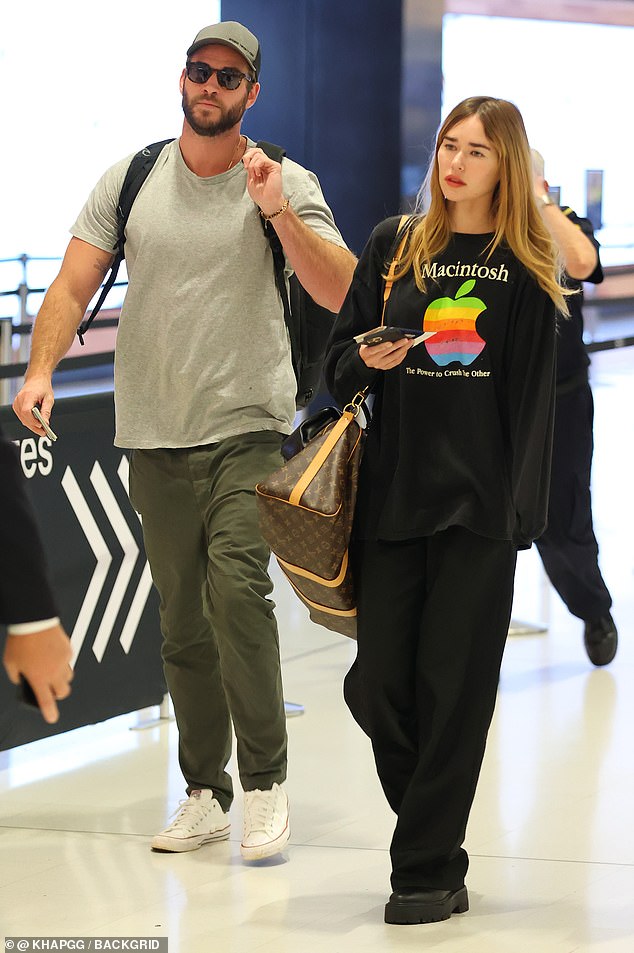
{"points": [[280, 211]]}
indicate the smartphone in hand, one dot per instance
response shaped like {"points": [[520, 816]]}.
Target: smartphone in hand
{"points": [[391, 333], [47, 430], [26, 695]]}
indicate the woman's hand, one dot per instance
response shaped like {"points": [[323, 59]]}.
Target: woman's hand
{"points": [[385, 356]]}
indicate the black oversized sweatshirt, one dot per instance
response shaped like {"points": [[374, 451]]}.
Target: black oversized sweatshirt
{"points": [[461, 432]]}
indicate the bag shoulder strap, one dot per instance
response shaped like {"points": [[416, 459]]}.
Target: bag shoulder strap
{"points": [[396, 252], [138, 170]]}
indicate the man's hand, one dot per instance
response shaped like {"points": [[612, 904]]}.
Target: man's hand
{"points": [[577, 252], [385, 356], [264, 181], [323, 268], [36, 390], [540, 185], [43, 658]]}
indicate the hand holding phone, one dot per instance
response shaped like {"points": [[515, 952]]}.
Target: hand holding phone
{"points": [[390, 333], [26, 695], [47, 430]]}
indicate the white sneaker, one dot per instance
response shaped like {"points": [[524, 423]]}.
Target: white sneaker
{"points": [[266, 824], [200, 820]]}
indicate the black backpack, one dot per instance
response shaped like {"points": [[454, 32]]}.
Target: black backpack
{"points": [[308, 323]]}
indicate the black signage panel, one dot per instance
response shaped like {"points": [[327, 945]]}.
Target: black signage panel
{"points": [[100, 574]]}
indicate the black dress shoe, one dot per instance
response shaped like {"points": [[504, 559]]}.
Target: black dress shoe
{"points": [[418, 905], [601, 639]]}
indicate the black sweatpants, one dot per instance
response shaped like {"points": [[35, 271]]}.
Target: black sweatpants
{"points": [[433, 617], [568, 548]]}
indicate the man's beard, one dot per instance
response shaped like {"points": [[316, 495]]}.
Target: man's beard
{"points": [[215, 127]]}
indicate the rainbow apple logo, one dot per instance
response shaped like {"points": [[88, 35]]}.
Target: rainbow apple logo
{"points": [[454, 324]]}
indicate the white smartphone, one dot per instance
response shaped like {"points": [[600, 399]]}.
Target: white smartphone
{"points": [[47, 430]]}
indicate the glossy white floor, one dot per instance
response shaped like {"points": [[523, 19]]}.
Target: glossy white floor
{"points": [[551, 836]]}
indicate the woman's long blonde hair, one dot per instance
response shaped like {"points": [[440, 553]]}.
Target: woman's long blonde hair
{"points": [[518, 223]]}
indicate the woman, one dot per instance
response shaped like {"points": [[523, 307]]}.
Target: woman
{"points": [[454, 480]]}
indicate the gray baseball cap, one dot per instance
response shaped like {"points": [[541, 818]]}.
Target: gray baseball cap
{"points": [[230, 33]]}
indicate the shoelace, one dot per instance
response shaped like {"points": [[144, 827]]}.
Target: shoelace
{"points": [[189, 811], [259, 809]]}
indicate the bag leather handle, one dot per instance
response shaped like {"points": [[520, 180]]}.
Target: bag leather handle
{"points": [[320, 457]]}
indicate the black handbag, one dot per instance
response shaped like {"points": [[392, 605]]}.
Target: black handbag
{"points": [[307, 429]]}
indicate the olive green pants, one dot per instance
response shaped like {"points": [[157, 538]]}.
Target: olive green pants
{"points": [[220, 641]]}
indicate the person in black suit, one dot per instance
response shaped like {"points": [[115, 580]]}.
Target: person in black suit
{"points": [[36, 646], [568, 548]]}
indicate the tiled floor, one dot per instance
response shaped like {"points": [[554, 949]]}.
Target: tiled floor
{"points": [[551, 836]]}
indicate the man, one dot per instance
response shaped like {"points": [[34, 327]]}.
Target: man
{"points": [[36, 648], [204, 391], [568, 548]]}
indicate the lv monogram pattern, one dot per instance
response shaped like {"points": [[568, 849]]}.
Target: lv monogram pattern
{"points": [[311, 538]]}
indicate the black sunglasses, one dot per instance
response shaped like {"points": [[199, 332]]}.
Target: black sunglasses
{"points": [[227, 78]]}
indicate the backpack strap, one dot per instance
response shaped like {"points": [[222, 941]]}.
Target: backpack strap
{"points": [[279, 261], [277, 153], [138, 170]]}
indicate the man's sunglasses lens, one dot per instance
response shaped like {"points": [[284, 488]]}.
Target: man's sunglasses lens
{"points": [[227, 78]]}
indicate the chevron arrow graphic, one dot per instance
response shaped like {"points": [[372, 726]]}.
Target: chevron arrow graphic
{"points": [[145, 582], [102, 555], [130, 555], [104, 559]]}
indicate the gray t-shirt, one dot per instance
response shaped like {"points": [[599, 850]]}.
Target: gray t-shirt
{"points": [[202, 349]]}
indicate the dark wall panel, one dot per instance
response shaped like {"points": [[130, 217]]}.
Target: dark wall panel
{"points": [[422, 90], [331, 95]]}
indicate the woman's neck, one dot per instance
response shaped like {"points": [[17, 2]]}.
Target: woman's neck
{"points": [[470, 218]]}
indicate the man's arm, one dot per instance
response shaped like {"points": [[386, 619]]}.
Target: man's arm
{"points": [[578, 254], [322, 268], [62, 311]]}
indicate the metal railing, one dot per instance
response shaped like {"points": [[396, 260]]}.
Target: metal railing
{"points": [[13, 362], [12, 369]]}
